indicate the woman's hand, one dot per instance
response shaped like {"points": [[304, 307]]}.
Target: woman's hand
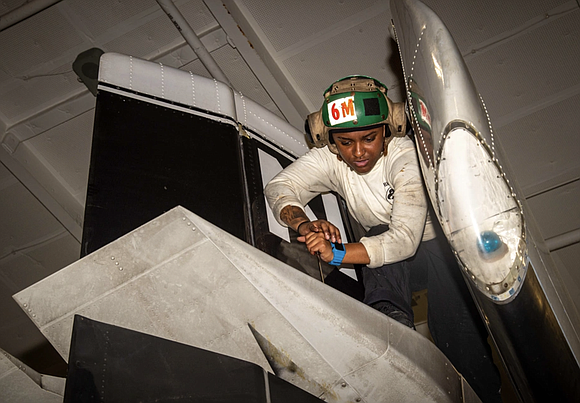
{"points": [[317, 243], [329, 230], [297, 219]]}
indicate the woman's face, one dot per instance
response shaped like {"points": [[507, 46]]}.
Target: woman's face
{"points": [[360, 149]]}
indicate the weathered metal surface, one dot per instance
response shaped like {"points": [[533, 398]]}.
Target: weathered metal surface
{"points": [[181, 278], [21, 384]]}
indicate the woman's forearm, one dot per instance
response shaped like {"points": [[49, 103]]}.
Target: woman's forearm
{"points": [[356, 253], [293, 216]]}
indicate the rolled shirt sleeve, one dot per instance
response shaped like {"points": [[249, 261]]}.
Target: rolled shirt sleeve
{"points": [[298, 183]]}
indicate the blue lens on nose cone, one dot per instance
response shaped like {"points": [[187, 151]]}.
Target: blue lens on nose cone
{"points": [[489, 242]]}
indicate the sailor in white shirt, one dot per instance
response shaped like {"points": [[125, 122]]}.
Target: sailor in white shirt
{"points": [[361, 152]]}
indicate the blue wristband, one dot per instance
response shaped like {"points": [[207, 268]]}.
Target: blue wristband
{"points": [[338, 253]]}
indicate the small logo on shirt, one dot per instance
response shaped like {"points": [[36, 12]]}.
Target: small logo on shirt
{"points": [[390, 192]]}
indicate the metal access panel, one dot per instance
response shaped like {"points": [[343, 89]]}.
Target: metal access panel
{"points": [[148, 157], [182, 278], [112, 364]]}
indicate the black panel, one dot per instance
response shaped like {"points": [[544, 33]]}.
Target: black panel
{"points": [[112, 364], [372, 107], [147, 159], [281, 393]]}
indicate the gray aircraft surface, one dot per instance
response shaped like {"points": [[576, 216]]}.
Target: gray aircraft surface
{"points": [[511, 274]]}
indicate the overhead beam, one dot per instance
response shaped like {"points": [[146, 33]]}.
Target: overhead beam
{"points": [[41, 194], [23, 12], [293, 109]]}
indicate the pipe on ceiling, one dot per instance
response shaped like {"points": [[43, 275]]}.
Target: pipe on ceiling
{"points": [[23, 12], [192, 39], [563, 240]]}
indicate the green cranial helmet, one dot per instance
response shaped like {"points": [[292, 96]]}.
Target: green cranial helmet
{"points": [[352, 103]]}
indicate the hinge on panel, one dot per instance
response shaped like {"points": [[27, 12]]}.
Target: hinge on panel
{"points": [[242, 131]]}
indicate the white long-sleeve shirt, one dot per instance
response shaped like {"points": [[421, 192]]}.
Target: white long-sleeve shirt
{"points": [[391, 193]]}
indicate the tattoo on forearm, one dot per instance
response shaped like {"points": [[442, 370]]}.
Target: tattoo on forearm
{"points": [[293, 216]]}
